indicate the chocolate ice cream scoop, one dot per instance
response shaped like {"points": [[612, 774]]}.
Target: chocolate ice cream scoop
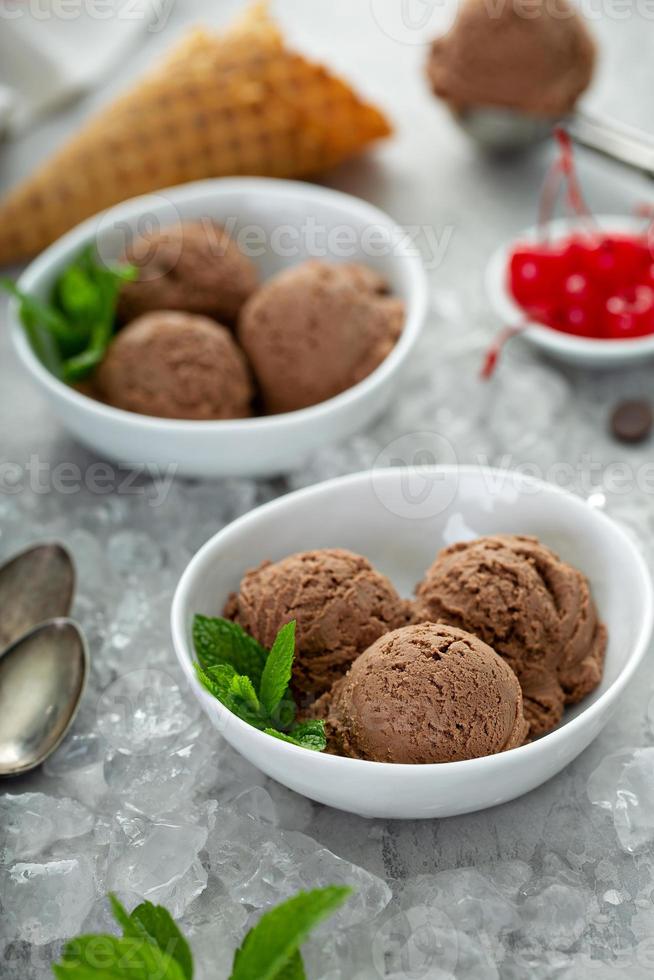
{"points": [[195, 267], [341, 605], [535, 610], [315, 330], [536, 57], [177, 366], [425, 693]]}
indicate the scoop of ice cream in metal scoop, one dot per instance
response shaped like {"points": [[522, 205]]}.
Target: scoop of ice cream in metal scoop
{"points": [[511, 71], [43, 657]]}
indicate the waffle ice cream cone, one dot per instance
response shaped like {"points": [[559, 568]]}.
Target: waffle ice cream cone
{"points": [[234, 103]]}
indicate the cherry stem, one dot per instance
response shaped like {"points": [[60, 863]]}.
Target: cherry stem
{"points": [[562, 172], [567, 160], [492, 355]]}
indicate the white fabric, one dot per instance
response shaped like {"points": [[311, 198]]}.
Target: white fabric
{"points": [[53, 50]]}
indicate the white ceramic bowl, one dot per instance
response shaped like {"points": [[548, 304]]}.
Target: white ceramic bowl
{"points": [[290, 222], [400, 520], [582, 351]]}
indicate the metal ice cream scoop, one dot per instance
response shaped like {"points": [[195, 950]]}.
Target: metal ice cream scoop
{"points": [[42, 678], [34, 586], [503, 130]]}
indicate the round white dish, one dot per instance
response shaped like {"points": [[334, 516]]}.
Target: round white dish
{"points": [[288, 222], [581, 351], [399, 520]]}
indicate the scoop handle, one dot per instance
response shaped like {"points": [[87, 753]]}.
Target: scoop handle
{"points": [[626, 144]]}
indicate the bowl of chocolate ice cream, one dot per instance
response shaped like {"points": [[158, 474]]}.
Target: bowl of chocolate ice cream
{"points": [[260, 320], [461, 644]]}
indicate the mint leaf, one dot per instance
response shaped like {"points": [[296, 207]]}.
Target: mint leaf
{"points": [[77, 293], [70, 334], [308, 735], [294, 969], [277, 672], [311, 734], [155, 924], [242, 687], [235, 691], [109, 958], [279, 933], [219, 641], [217, 680]]}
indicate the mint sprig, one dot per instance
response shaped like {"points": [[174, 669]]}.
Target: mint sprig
{"points": [[219, 641], [252, 683], [153, 946], [270, 951], [70, 333], [277, 673], [155, 924]]}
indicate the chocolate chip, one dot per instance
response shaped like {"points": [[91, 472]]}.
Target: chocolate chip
{"points": [[631, 421]]}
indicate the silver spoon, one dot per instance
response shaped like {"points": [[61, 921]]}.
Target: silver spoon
{"points": [[35, 585], [42, 679], [503, 130]]}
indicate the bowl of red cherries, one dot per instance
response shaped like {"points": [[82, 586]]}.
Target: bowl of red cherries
{"points": [[581, 288]]}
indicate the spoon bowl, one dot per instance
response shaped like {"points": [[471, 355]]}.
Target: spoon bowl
{"points": [[35, 586], [42, 679], [504, 131], [501, 130]]}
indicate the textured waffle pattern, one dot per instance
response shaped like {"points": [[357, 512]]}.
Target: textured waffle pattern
{"points": [[237, 103]]}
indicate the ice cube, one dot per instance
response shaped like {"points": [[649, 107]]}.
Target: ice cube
{"points": [[134, 555], [555, 914], [146, 711], [44, 902], [416, 943], [471, 901], [157, 784], [260, 865], [215, 926], [78, 767], [158, 862], [624, 784], [31, 822]]}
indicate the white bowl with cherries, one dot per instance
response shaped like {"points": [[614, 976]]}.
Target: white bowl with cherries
{"points": [[579, 289]]}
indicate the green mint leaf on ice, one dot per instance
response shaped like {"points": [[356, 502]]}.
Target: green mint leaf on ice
{"points": [[307, 734], [153, 948], [294, 969], [155, 924], [277, 672], [219, 641], [270, 948]]}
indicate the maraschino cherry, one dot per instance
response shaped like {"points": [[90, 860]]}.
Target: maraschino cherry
{"points": [[589, 284]]}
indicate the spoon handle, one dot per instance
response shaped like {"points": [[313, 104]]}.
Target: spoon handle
{"points": [[626, 144]]}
